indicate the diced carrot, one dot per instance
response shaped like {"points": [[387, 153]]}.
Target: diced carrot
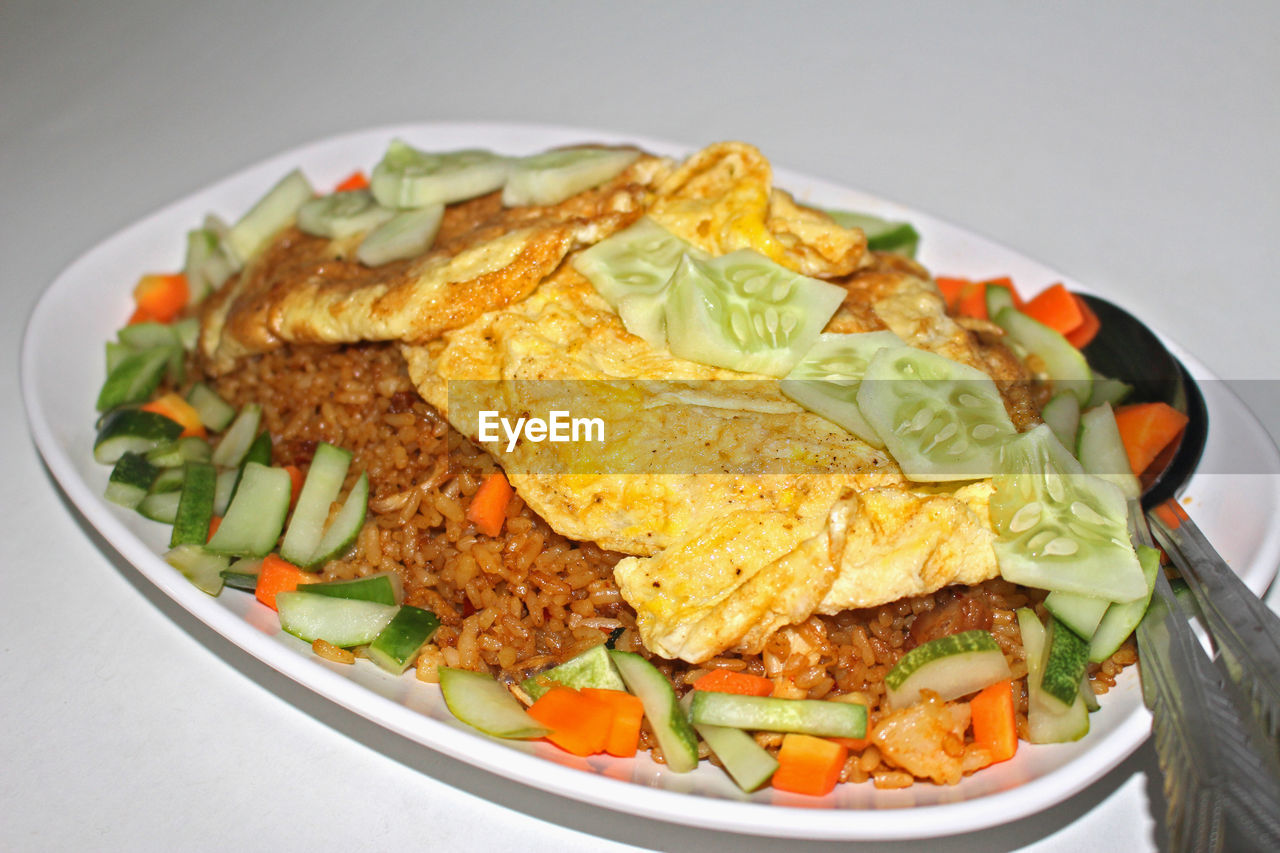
{"points": [[853, 744], [1146, 429], [1081, 335], [173, 407], [994, 724], [277, 576], [624, 730], [727, 681], [141, 315], [973, 301], [488, 508], [355, 181], [214, 524], [1171, 514], [579, 723], [161, 297], [295, 474], [1057, 308], [951, 288], [809, 765]]}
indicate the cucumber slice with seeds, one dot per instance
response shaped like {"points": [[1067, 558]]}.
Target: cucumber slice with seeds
{"points": [[399, 644], [742, 311], [553, 176], [482, 703], [767, 713], [256, 515], [1058, 528], [271, 214], [941, 420], [343, 622], [592, 668], [407, 177], [1064, 363], [319, 490], [827, 379], [405, 235], [675, 735], [951, 666], [342, 214]]}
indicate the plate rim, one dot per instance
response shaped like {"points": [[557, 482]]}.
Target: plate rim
{"points": [[753, 817]]}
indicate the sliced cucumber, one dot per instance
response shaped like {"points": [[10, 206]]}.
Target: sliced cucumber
{"points": [[135, 378], [239, 436], [256, 515], [1062, 414], [384, 588], [675, 735], [482, 703], [195, 506], [342, 531], [592, 668], [272, 213], [399, 644], [770, 714], [1046, 721], [1106, 390], [343, 622], [115, 353], [209, 261], [998, 297], [1121, 620], [407, 177], [747, 763], [190, 448], [342, 214], [1080, 613], [168, 480], [1064, 363], [941, 420], [144, 336], [319, 490], [1066, 657], [1101, 451], [199, 566], [132, 431], [224, 488], [742, 311], [160, 506], [632, 269], [240, 580], [553, 176], [187, 331], [1058, 528], [951, 666], [827, 379], [131, 479], [215, 413], [405, 235], [883, 235], [1086, 693]]}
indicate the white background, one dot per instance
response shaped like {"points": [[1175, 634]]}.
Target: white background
{"points": [[1129, 145]]}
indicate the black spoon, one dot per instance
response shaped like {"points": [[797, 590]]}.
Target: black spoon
{"points": [[1215, 728]]}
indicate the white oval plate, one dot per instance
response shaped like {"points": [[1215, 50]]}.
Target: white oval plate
{"points": [[62, 369]]}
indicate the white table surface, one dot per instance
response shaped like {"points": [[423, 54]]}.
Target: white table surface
{"points": [[1133, 149]]}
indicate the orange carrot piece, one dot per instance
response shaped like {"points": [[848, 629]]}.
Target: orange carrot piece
{"points": [[173, 407], [141, 315], [488, 508], [1171, 513], [295, 474], [809, 765], [161, 297], [973, 301], [277, 576], [1146, 429], [624, 730], [951, 288], [727, 681], [1057, 308], [994, 724], [214, 523], [1081, 335], [355, 181], [853, 744], [579, 723]]}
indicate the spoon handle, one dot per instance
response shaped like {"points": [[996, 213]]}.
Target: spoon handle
{"points": [[1245, 631]]}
